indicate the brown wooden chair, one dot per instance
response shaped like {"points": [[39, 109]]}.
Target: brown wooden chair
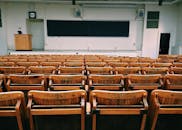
{"points": [[139, 64], [12, 70], [99, 70], [123, 103], [12, 104], [155, 70], [25, 82], [67, 82], [46, 70], [59, 103], [7, 63], [147, 82], [165, 104], [118, 64], [95, 64], [162, 64], [2, 82], [106, 82], [71, 70], [27, 64], [176, 70], [127, 70], [73, 64], [51, 63], [173, 81]]}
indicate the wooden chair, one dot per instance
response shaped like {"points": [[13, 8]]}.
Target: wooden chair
{"points": [[12, 70], [176, 70], [25, 82], [67, 82], [12, 104], [27, 64], [156, 70], [95, 64], [46, 70], [173, 81], [127, 70], [118, 64], [48, 63], [147, 82], [162, 64], [59, 103], [99, 70], [7, 63], [139, 64], [106, 82], [73, 64], [167, 104], [2, 82], [177, 64], [123, 103], [71, 70]]}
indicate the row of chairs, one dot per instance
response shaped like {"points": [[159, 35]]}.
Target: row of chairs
{"points": [[103, 103], [74, 63], [88, 70], [104, 82]]}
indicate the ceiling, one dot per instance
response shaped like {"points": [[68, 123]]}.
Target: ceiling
{"points": [[101, 1]]}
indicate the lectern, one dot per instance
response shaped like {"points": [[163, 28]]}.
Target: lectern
{"points": [[23, 41]]}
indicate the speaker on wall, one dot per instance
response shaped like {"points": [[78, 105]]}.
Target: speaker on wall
{"points": [[140, 13], [77, 12]]}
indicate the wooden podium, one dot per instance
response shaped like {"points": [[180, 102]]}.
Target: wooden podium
{"points": [[23, 42]]}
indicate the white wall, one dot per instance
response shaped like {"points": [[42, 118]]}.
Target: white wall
{"points": [[3, 39], [179, 31], [167, 24], [92, 43]]}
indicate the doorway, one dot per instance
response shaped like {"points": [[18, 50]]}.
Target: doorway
{"points": [[164, 43], [35, 27]]}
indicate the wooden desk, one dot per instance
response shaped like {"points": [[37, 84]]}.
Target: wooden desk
{"points": [[23, 42]]}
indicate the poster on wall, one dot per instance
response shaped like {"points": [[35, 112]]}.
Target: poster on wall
{"points": [[0, 19]]}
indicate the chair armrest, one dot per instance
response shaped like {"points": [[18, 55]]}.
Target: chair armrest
{"points": [[83, 72], [111, 72], [88, 72], [168, 82], [1, 82], [59, 71], [8, 84], [28, 71], [145, 103], [17, 107], [161, 82], [122, 82], [83, 82], [116, 72], [50, 82], [43, 82], [90, 82], [54, 72]]}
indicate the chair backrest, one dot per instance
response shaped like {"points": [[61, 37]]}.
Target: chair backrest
{"points": [[42, 70], [73, 64], [56, 104], [106, 82], [127, 70], [162, 64], [51, 63], [147, 82], [67, 82], [139, 64], [99, 70], [95, 64], [71, 70], [7, 63], [119, 103], [25, 82], [2, 82], [27, 64], [118, 64], [155, 70], [173, 81], [165, 102], [176, 70], [13, 104], [13, 70]]}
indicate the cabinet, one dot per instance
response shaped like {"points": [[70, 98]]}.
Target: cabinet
{"points": [[23, 42]]}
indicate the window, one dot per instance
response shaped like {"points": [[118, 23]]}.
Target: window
{"points": [[152, 19]]}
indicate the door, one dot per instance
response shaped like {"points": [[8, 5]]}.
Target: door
{"points": [[164, 43], [35, 27]]}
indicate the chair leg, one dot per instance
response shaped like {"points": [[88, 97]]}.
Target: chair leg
{"points": [[83, 121], [19, 120], [143, 122], [31, 122], [154, 121], [94, 122]]}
